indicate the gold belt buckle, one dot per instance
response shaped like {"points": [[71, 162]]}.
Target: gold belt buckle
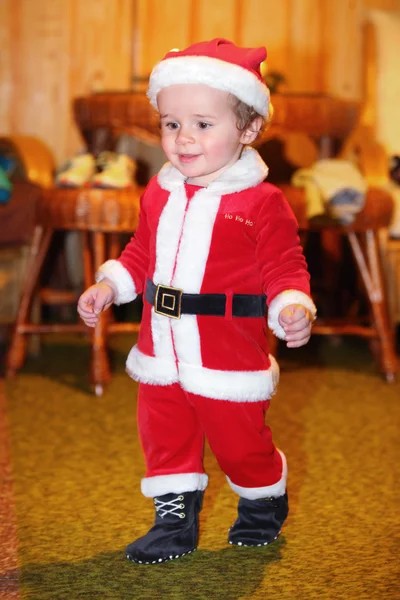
{"points": [[168, 301]]}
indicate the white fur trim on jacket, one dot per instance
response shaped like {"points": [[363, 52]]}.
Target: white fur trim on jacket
{"points": [[173, 484], [150, 369], [235, 386], [213, 72], [113, 270], [268, 491], [280, 302], [247, 172]]}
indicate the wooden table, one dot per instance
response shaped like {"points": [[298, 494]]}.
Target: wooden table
{"points": [[101, 216]]}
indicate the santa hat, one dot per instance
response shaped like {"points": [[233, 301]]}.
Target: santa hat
{"points": [[219, 64]]}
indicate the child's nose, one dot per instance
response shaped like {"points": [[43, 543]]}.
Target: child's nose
{"points": [[184, 136]]}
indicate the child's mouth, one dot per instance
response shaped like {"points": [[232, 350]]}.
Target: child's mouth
{"points": [[188, 158]]}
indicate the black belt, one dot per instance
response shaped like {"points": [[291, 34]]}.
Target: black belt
{"points": [[172, 302]]}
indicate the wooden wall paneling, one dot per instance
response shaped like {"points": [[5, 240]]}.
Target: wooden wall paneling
{"points": [[54, 50], [139, 36], [342, 34], [212, 19], [41, 92], [101, 49], [390, 5], [266, 23], [6, 67], [160, 25], [101, 45], [305, 46]]}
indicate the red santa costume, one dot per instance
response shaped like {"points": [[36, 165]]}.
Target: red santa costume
{"points": [[207, 260]]}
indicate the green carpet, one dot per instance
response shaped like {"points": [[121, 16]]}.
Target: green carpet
{"points": [[77, 465]]}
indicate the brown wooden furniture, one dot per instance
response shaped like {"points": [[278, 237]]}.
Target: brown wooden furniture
{"points": [[103, 117], [367, 234], [16, 227], [100, 215], [363, 235], [33, 169], [392, 270]]}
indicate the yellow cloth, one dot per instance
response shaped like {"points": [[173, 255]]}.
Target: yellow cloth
{"points": [[325, 179]]}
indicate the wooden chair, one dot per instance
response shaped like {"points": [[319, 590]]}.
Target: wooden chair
{"points": [[367, 234], [101, 216], [17, 222], [33, 169]]}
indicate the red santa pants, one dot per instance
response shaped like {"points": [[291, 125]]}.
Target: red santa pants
{"points": [[173, 424]]}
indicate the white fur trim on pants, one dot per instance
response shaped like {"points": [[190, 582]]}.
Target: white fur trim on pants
{"points": [[173, 484], [268, 491], [280, 302]]}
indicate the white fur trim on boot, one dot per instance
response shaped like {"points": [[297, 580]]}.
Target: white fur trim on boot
{"points": [[173, 484], [269, 491]]}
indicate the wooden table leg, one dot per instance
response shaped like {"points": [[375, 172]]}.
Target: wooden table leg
{"points": [[100, 366], [17, 349], [115, 245], [371, 272], [88, 271]]}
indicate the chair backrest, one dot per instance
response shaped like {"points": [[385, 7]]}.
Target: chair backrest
{"points": [[35, 161]]}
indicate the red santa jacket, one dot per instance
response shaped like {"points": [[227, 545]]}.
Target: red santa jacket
{"points": [[236, 236]]}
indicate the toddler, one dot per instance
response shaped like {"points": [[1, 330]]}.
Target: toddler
{"points": [[214, 247]]}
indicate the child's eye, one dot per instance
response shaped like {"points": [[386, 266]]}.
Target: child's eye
{"points": [[171, 125], [204, 125]]}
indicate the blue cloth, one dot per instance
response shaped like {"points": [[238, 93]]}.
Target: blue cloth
{"points": [[5, 187]]}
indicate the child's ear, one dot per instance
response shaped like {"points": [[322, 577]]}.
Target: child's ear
{"points": [[251, 132]]}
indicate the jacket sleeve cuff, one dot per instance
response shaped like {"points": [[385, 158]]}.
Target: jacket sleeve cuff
{"points": [[121, 278], [280, 302]]}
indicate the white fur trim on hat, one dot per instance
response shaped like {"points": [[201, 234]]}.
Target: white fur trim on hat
{"points": [[216, 73], [116, 272], [173, 484], [280, 302], [269, 491]]}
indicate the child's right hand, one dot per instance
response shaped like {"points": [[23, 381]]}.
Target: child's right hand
{"points": [[94, 300]]}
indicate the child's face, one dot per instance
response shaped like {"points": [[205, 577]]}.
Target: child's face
{"points": [[199, 134]]}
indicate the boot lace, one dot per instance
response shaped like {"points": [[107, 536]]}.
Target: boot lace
{"points": [[171, 507]]}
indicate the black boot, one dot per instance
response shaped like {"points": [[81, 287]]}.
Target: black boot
{"points": [[259, 522], [175, 531]]}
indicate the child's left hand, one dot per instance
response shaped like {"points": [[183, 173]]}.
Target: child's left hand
{"points": [[296, 322]]}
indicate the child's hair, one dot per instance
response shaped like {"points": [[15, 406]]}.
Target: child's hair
{"points": [[246, 114]]}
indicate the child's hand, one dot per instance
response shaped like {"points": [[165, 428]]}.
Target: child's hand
{"points": [[97, 298], [296, 322]]}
